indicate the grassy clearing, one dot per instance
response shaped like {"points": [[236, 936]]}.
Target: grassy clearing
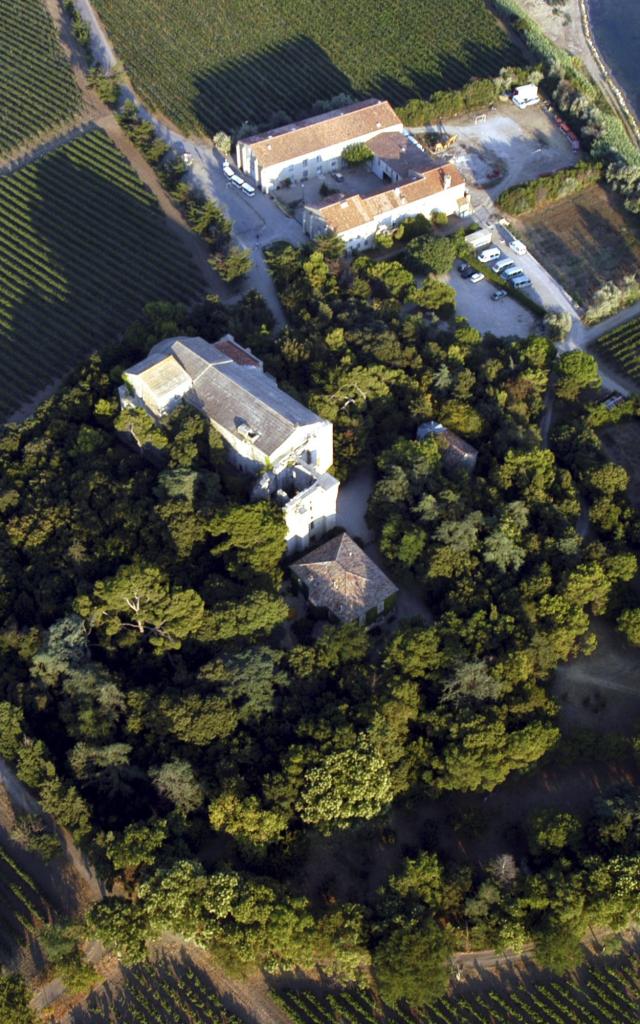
{"points": [[37, 88], [216, 66], [83, 247], [584, 241]]}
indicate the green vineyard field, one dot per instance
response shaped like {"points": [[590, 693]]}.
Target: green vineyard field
{"points": [[607, 995], [37, 88], [165, 992], [219, 65], [83, 247], [622, 346], [23, 908]]}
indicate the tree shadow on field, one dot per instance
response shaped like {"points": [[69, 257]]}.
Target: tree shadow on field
{"points": [[276, 85], [103, 252], [282, 82]]}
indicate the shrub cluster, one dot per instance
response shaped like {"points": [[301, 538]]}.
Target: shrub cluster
{"points": [[478, 93], [548, 188], [203, 215]]}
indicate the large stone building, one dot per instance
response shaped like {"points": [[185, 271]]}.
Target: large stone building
{"points": [[306, 149], [267, 433]]}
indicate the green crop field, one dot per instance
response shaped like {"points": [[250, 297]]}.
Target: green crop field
{"points": [[165, 992], [218, 63], [605, 995], [37, 88], [23, 908], [622, 346], [83, 246]]}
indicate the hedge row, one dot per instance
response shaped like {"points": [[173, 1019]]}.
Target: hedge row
{"points": [[479, 93], [550, 188]]}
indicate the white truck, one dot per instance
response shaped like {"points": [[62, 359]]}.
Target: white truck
{"points": [[514, 243], [525, 95], [478, 239]]}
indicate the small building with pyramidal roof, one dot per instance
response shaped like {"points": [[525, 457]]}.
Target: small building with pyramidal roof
{"points": [[339, 579], [456, 452]]}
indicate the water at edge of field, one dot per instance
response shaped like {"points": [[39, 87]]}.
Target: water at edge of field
{"points": [[616, 28]]}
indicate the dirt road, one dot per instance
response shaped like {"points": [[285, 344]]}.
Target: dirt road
{"points": [[98, 114]]}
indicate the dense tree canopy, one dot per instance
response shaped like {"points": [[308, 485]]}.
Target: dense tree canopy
{"points": [[206, 742]]}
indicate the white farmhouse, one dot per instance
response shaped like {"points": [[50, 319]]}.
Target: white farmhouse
{"points": [[314, 146], [267, 432], [358, 218]]}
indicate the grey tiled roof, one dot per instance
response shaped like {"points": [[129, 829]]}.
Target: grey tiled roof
{"points": [[340, 577], [231, 394]]}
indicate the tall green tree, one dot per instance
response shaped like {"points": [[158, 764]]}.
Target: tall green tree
{"points": [[141, 600]]}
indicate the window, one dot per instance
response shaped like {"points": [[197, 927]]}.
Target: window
{"points": [[304, 163], [319, 159]]}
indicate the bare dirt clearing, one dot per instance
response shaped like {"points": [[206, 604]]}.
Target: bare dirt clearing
{"points": [[584, 242], [509, 147], [65, 886]]}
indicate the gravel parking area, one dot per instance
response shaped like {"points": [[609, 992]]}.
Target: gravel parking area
{"points": [[503, 318], [510, 147]]}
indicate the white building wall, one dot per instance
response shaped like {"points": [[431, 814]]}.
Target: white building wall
{"points": [[362, 237], [311, 513], [298, 169], [315, 440]]}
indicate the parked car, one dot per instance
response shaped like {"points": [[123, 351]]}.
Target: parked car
{"points": [[518, 247], [248, 189], [520, 282], [227, 169], [502, 264], [499, 294], [487, 255], [337, 176], [463, 267], [187, 159], [237, 181], [509, 272], [476, 277]]}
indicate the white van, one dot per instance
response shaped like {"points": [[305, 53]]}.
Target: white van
{"points": [[489, 254], [502, 265], [518, 247], [520, 282], [236, 180], [512, 272], [227, 169], [248, 189]]}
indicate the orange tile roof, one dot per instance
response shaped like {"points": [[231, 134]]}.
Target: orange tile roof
{"points": [[295, 140], [353, 211]]}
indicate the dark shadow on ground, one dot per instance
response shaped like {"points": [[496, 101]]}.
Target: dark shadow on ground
{"points": [[283, 82], [108, 252]]}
